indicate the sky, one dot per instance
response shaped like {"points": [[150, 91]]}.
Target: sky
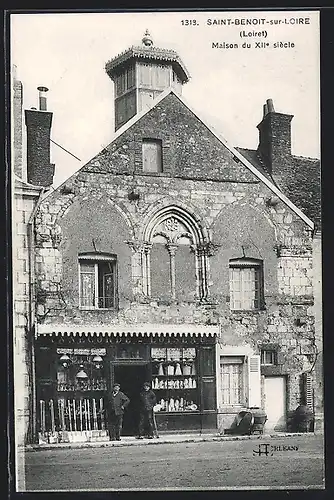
{"points": [[228, 86]]}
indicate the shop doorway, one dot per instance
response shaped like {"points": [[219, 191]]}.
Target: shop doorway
{"points": [[131, 377]]}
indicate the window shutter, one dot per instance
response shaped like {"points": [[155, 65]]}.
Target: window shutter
{"points": [[254, 381], [307, 389]]}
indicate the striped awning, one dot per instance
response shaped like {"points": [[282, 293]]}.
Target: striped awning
{"points": [[136, 330]]}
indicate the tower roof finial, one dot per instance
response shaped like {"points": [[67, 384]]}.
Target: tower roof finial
{"points": [[147, 39]]}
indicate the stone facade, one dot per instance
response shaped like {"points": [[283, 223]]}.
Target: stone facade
{"points": [[96, 210]]}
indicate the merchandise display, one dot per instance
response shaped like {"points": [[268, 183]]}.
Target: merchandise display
{"points": [[174, 378]]}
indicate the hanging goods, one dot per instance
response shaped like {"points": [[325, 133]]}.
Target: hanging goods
{"points": [[42, 415], [95, 415], [69, 414], [85, 413], [193, 368], [52, 413], [88, 411], [102, 414], [161, 370], [80, 413], [74, 415]]}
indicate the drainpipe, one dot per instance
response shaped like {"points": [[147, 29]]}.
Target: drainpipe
{"points": [[32, 320]]}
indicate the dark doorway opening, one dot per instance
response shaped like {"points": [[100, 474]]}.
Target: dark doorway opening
{"points": [[131, 377]]}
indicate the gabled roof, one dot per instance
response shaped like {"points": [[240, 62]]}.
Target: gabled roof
{"points": [[258, 171]]}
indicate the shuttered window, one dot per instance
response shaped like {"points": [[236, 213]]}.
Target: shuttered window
{"points": [[232, 380], [152, 155], [246, 287]]}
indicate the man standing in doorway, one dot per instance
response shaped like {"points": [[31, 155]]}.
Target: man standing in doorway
{"points": [[117, 403], [147, 402]]}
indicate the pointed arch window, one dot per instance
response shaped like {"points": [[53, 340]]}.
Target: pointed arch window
{"points": [[174, 266]]}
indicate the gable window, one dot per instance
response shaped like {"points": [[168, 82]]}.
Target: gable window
{"points": [[268, 357], [152, 155], [97, 281], [246, 284], [232, 379]]}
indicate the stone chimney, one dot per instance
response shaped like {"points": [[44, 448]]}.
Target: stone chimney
{"points": [[17, 115], [40, 171], [274, 138]]}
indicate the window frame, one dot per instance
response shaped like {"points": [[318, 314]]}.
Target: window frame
{"points": [[96, 260], [239, 360], [272, 352], [242, 264]]}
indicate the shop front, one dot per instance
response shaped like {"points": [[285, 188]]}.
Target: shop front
{"points": [[76, 370]]}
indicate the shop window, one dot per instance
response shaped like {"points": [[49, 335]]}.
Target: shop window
{"points": [[152, 155], [81, 388], [130, 351], [81, 370], [175, 379], [246, 284], [232, 380], [268, 357], [98, 282]]}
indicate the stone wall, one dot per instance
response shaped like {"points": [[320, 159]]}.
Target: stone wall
{"points": [[24, 201]]}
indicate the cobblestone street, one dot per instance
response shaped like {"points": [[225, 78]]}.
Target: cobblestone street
{"points": [[287, 462]]}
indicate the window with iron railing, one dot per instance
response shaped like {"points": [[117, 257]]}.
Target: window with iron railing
{"points": [[97, 282]]}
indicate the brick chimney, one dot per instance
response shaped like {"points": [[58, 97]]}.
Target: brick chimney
{"points": [[40, 171], [274, 138]]}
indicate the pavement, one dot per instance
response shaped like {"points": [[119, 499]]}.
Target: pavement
{"points": [[164, 439], [207, 462]]}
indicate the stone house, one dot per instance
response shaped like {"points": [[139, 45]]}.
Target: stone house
{"points": [[176, 258]]}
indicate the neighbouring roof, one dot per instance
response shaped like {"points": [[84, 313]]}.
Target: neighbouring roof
{"points": [[300, 181], [253, 156]]}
